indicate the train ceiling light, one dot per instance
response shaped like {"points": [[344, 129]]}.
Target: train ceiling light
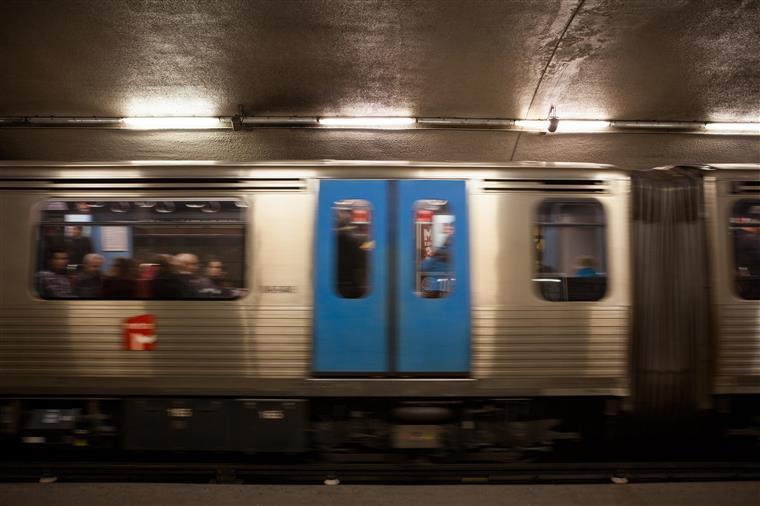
{"points": [[549, 125]]}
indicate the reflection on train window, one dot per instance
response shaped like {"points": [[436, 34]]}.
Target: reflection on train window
{"points": [[148, 249], [745, 231], [569, 239], [353, 244], [434, 233]]}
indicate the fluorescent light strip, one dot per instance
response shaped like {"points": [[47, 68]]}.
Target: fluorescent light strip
{"points": [[174, 123], [368, 122], [539, 125], [582, 126], [749, 128]]}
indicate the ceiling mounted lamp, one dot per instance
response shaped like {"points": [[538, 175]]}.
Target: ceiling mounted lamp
{"points": [[368, 122], [175, 123], [733, 128]]}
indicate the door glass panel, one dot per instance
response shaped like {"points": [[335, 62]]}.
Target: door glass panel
{"points": [[434, 235], [353, 244]]}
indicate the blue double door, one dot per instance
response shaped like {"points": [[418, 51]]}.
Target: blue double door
{"points": [[392, 293]]}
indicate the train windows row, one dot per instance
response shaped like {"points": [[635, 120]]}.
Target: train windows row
{"points": [[195, 249], [146, 249]]}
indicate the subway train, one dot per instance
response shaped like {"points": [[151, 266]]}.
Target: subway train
{"points": [[372, 308]]}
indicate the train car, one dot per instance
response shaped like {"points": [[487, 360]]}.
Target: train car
{"points": [[732, 197], [286, 307]]}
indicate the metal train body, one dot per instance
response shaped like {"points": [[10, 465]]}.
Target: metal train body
{"points": [[290, 365]]}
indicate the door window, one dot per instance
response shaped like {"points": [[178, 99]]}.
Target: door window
{"points": [[353, 244], [434, 236]]}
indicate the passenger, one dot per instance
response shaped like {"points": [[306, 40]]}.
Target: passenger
{"points": [[166, 283], [586, 268], [351, 258], [52, 240], [77, 246], [121, 280], [213, 284], [88, 284], [187, 268], [53, 283]]}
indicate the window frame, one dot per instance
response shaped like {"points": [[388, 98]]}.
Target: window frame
{"points": [[36, 224], [535, 226]]}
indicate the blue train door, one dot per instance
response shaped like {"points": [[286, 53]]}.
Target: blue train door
{"points": [[391, 278]]}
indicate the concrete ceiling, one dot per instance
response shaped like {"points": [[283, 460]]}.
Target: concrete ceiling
{"points": [[624, 59]]}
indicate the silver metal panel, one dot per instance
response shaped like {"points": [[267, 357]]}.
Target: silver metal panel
{"points": [[518, 336], [264, 334]]}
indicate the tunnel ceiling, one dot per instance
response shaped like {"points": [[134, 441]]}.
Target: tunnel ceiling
{"points": [[627, 59]]}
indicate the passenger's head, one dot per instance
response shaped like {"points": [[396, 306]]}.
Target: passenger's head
{"points": [[75, 231], [92, 262], [214, 268], [188, 263], [58, 261], [587, 261]]}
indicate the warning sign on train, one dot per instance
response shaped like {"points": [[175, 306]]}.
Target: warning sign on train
{"points": [[140, 333]]}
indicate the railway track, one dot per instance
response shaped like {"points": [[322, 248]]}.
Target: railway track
{"points": [[239, 472]]}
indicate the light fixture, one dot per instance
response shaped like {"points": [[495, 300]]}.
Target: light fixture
{"points": [[746, 128], [174, 123], [368, 122], [582, 126], [537, 125]]}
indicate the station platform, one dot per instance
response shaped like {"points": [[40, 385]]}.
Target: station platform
{"points": [[649, 494]]}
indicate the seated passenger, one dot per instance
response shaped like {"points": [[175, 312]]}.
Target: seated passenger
{"points": [[53, 283], [213, 284], [586, 268], [166, 284], [121, 280], [88, 284], [187, 269]]}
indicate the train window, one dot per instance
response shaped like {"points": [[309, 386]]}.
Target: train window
{"points": [[745, 231], [434, 233], [570, 250], [353, 244], [141, 249]]}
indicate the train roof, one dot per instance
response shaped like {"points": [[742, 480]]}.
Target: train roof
{"points": [[62, 172], [304, 163]]}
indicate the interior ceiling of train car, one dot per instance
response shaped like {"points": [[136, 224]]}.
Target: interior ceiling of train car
{"points": [[684, 62]]}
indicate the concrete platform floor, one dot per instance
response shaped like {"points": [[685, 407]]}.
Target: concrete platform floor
{"points": [[654, 494]]}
